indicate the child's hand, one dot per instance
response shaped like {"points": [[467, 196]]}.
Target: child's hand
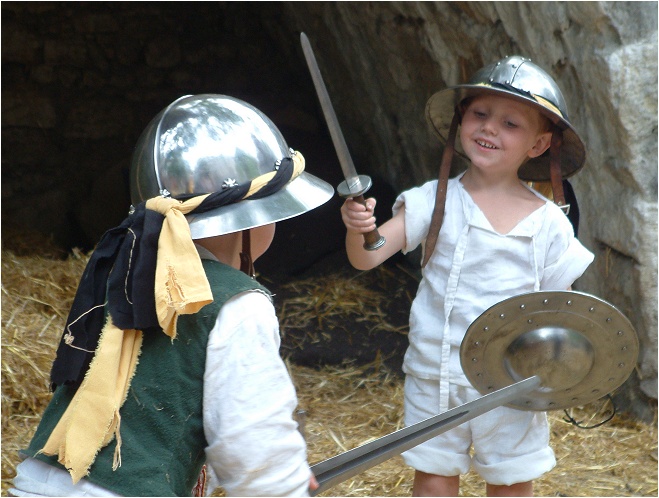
{"points": [[358, 218], [313, 483]]}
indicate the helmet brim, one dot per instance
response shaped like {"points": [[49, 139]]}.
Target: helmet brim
{"points": [[303, 194], [439, 113]]}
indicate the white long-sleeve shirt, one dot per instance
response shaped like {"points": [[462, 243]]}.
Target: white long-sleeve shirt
{"points": [[474, 267], [254, 447]]}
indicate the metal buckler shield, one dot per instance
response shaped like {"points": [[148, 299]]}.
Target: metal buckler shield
{"points": [[580, 346]]}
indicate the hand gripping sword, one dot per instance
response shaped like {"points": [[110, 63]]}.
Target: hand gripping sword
{"points": [[354, 185]]}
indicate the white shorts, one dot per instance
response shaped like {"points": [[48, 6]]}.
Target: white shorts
{"points": [[509, 446]]}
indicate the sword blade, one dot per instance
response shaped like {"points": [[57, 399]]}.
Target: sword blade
{"points": [[348, 167], [350, 463]]}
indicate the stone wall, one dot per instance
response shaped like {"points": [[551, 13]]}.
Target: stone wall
{"points": [[82, 79]]}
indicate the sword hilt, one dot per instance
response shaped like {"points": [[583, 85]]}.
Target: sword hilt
{"points": [[372, 240]]}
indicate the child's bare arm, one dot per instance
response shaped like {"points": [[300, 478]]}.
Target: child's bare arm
{"points": [[360, 220]]}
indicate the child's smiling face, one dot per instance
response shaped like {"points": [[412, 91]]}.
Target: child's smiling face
{"points": [[500, 133]]}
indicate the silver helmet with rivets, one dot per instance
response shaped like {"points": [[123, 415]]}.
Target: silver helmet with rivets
{"points": [[205, 143], [519, 78]]}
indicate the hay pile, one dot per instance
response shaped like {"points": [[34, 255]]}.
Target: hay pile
{"points": [[346, 405]]}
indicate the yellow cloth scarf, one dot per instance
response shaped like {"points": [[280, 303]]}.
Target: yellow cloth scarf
{"points": [[181, 287]]}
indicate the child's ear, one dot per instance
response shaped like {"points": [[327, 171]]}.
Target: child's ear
{"points": [[541, 145]]}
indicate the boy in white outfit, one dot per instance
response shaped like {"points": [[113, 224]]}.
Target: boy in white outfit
{"points": [[499, 238]]}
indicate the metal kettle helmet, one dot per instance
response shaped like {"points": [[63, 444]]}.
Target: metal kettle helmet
{"points": [[205, 143], [519, 78]]}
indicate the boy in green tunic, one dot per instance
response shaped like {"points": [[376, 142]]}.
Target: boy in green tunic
{"points": [[170, 356]]}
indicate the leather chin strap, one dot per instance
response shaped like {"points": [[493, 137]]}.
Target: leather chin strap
{"points": [[442, 183], [246, 263], [445, 168], [555, 169]]}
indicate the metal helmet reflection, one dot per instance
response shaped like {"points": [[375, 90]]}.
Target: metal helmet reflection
{"points": [[202, 143]]}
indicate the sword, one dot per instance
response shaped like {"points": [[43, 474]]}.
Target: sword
{"points": [[354, 185], [350, 463]]}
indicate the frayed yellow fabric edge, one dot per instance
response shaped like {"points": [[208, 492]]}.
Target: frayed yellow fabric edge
{"points": [[92, 418]]}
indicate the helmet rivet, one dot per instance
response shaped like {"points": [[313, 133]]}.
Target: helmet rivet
{"points": [[165, 193], [229, 182], [277, 164], [131, 210]]}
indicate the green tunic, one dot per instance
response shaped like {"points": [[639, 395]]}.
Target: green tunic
{"points": [[162, 429]]}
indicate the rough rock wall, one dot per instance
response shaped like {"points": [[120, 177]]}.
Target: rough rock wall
{"points": [[383, 60]]}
